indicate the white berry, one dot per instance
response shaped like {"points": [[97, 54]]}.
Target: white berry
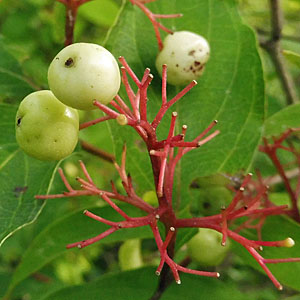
{"points": [[82, 73], [185, 54]]}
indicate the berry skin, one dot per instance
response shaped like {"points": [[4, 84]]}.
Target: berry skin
{"points": [[206, 249], [130, 256], [209, 201], [46, 128], [83, 72], [151, 198], [185, 53]]}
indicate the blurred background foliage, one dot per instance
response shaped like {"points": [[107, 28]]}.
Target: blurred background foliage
{"points": [[257, 15], [32, 32]]}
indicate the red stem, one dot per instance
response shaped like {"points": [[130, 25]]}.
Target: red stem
{"points": [[273, 156]]}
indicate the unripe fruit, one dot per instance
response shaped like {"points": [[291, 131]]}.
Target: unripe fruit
{"points": [[185, 53], [130, 256], [82, 73], [151, 198], [206, 249], [46, 128], [209, 201]]}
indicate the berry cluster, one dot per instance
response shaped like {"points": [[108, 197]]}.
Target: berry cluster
{"points": [[47, 122]]}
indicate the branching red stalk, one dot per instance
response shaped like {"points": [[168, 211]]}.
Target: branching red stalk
{"points": [[248, 202], [271, 151], [152, 17]]}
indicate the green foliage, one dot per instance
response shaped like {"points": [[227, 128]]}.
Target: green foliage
{"points": [[13, 84], [293, 57], [285, 273], [139, 284], [100, 12], [52, 241], [282, 120]]}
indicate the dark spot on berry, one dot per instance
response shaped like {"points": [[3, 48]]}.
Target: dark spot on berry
{"points": [[55, 141], [92, 86], [197, 63], [172, 53], [177, 65], [200, 68], [192, 52], [57, 58], [69, 62], [19, 121]]}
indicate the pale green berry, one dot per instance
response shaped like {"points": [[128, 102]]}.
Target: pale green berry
{"points": [[206, 249], [209, 200], [46, 128], [130, 256], [185, 53], [151, 198], [83, 72]]}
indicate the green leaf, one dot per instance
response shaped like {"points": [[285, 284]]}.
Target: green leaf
{"points": [[200, 287], [231, 89], [292, 57], [21, 177], [141, 284], [4, 282], [7, 125], [282, 120], [295, 297], [277, 228], [71, 228], [13, 84], [100, 12], [138, 284]]}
